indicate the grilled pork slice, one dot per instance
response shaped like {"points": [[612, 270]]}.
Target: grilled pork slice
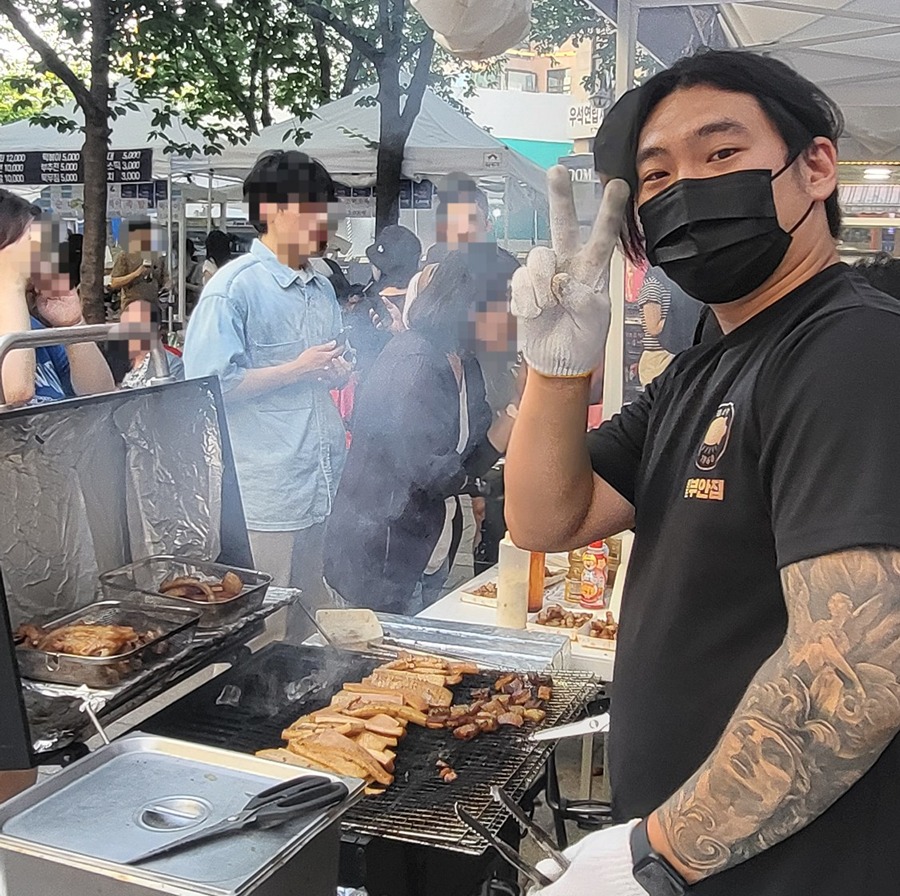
{"points": [[327, 760], [435, 676], [405, 713], [331, 717], [434, 694], [341, 747], [385, 726], [288, 758], [370, 741], [412, 699]]}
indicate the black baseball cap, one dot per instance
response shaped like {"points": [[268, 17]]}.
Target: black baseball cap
{"points": [[396, 253]]}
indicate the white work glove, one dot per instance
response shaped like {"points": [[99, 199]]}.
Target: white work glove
{"points": [[601, 866], [476, 29], [561, 295]]}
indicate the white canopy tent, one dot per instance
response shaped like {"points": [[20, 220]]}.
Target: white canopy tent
{"points": [[851, 48], [129, 131], [343, 136]]}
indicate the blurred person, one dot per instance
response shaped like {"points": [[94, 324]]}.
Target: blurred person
{"points": [[267, 326], [422, 430], [882, 270], [218, 254], [52, 301], [146, 315], [395, 257], [193, 278], [758, 474], [139, 272], [501, 364]]}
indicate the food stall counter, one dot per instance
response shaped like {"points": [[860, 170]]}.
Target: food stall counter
{"points": [[453, 608]]}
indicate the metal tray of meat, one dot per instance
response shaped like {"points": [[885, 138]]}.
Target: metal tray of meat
{"points": [[146, 577], [172, 627]]}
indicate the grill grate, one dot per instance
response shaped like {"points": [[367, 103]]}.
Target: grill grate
{"points": [[247, 708]]}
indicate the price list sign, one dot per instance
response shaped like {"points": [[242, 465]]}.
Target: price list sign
{"points": [[50, 168]]}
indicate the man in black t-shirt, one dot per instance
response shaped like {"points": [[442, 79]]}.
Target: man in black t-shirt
{"points": [[756, 700]]}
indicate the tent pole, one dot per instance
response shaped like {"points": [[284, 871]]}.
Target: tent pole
{"points": [[506, 183], [170, 246], [182, 265], [614, 373], [626, 44], [209, 201]]}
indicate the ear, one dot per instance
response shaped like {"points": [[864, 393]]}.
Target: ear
{"points": [[820, 168]]}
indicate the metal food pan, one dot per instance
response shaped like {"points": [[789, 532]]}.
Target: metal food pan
{"points": [[145, 577], [176, 627]]}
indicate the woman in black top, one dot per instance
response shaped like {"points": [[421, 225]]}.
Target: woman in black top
{"points": [[403, 463]]}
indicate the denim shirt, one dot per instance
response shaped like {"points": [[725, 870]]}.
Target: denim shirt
{"points": [[289, 443]]}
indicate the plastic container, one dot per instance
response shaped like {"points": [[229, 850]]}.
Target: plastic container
{"points": [[536, 579], [593, 578], [512, 585], [615, 561], [572, 594]]}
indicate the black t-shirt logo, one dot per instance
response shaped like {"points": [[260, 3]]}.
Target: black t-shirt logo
{"points": [[716, 439]]}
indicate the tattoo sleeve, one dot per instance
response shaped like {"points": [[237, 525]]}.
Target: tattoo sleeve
{"points": [[814, 719]]}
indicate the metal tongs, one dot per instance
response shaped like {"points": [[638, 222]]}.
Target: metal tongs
{"points": [[272, 807], [590, 725], [526, 824]]}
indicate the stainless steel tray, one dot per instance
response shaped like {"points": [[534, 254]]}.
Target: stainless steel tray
{"points": [[145, 576], [176, 627], [141, 792]]}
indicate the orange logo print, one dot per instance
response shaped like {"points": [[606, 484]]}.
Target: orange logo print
{"points": [[716, 439]]}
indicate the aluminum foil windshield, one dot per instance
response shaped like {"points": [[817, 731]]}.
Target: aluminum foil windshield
{"points": [[173, 491], [89, 486]]}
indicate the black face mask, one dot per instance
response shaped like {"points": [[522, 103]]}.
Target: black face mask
{"points": [[718, 238]]}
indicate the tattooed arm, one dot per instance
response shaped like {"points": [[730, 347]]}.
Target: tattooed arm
{"points": [[815, 718]]}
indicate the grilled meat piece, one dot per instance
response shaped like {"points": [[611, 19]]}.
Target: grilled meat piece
{"points": [[512, 719], [93, 640], [467, 732]]}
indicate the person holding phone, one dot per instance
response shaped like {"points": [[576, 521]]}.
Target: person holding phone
{"points": [[266, 326]]}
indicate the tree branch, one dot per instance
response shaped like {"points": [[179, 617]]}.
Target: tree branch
{"points": [[416, 90], [50, 58], [318, 30], [354, 37], [351, 76]]}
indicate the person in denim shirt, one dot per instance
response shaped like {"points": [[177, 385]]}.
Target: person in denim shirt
{"points": [[267, 326]]}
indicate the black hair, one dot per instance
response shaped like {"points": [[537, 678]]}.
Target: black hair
{"points": [[218, 247], [16, 216], [799, 110], [137, 224], [286, 176], [443, 309], [462, 189], [882, 271], [190, 249]]}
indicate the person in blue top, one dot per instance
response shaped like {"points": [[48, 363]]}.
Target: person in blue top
{"points": [[35, 292], [268, 326]]}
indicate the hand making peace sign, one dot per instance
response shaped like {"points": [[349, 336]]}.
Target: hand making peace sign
{"points": [[561, 296]]}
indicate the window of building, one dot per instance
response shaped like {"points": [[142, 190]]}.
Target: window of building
{"points": [[526, 82], [559, 80]]}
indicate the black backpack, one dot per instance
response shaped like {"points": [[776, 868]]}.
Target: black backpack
{"points": [[681, 320]]}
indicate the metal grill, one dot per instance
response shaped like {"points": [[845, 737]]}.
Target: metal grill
{"points": [[247, 708]]}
